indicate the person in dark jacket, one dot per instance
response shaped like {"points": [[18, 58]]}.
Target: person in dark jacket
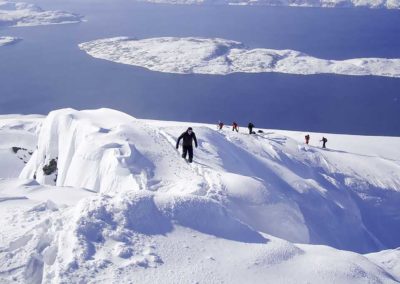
{"points": [[250, 127], [324, 140], [220, 125], [188, 137], [307, 138]]}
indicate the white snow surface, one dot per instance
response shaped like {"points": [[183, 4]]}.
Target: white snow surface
{"points": [[21, 14], [220, 57], [389, 259], [385, 4], [7, 40], [17, 131], [122, 206]]}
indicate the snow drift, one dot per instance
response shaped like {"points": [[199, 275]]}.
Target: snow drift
{"points": [[303, 187], [107, 157], [113, 201], [220, 57], [18, 136]]}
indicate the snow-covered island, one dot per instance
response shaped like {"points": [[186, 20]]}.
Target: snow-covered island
{"points": [[6, 40], [220, 57], [385, 4], [21, 14], [98, 196]]}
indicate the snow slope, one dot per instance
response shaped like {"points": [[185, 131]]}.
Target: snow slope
{"points": [[389, 259], [6, 40], [21, 133], [113, 201], [23, 14], [220, 56], [385, 4]]}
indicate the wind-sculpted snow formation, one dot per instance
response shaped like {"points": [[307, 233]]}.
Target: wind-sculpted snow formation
{"points": [[386, 4], [113, 201], [7, 40], [221, 57], [20, 133], [23, 14]]}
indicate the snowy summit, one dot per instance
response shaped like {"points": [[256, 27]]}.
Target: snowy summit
{"points": [[99, 196], [220, 57]]}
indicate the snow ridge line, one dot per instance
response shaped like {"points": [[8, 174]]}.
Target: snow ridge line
{"points": [[259, 179], [239, 187]]}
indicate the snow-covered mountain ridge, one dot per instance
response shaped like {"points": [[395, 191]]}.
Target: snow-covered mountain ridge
{"points": [[114, 201]]}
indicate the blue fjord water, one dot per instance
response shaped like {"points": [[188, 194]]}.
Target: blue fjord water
{"points": [[47, 70]]}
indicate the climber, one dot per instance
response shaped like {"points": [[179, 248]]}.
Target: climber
{"points": [[250, 127], [188, 137], [324, 140], [235, 127], [220, 125]]}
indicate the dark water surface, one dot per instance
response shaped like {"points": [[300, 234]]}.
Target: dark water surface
{"points": [[47, 70]]}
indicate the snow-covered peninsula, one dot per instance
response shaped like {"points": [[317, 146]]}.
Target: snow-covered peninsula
{"points": [[220, 57], [21, 14], [98, 196], [7, 40], [386, 4]]}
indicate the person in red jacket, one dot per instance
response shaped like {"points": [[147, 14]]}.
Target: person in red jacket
{"points": [[188, 137], [235, 127]]}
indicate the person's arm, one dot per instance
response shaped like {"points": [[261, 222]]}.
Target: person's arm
{"points": [[195, 139], [179, 140]]}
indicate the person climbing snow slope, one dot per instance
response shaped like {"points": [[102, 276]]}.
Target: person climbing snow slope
{"points": [[235, 126], [220, 125], [250, 127], [324, 140], [187, 145], [307, 138]]}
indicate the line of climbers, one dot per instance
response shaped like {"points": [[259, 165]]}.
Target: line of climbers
{"points": [[189, 137], [235, 127], [323, 140]]}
